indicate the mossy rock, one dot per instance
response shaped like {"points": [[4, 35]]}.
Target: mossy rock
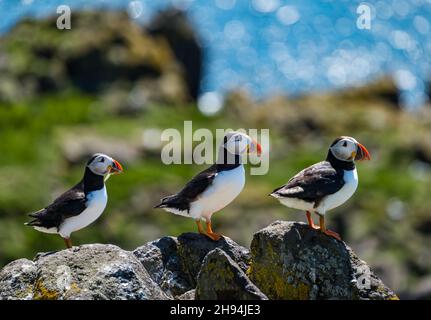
{"points": [[292, 261], [194, 247], [89, 272], [221, 278]]}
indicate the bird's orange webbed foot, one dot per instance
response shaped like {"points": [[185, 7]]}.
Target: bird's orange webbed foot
{"points": [[211, 234], [214, 236], [310, 222], [332, 234]]}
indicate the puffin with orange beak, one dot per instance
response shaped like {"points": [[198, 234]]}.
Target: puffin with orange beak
{"points": [[325, 185], [216, 187], [81, 205]]}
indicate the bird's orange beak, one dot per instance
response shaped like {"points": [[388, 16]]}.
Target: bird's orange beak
{"points": [[362, 153], [256, 148], [116, 168]]}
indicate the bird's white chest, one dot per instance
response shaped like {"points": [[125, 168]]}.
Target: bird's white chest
{"points": [[338, 198], [226, 186], [96, 203]]}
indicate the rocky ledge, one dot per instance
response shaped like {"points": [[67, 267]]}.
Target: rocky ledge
{"points": [[287, 260]]}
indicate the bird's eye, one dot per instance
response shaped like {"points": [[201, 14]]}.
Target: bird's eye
{"points": [[345, 144], [102, 160]]}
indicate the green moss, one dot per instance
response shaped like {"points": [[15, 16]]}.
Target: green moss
{"points": [[43, 293], [273, 282], [384, 291], [24, 294], [221, 273], [270, 277], [249, 270]]}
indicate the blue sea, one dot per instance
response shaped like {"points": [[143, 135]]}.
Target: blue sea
{"points": [[290, 47]]}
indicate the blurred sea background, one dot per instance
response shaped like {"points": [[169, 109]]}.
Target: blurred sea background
{"points": [[271, 46], [129, 69]]}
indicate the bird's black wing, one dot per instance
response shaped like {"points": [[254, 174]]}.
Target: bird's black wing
{"points": [[69, 204], [193, 189], [313, 183]]}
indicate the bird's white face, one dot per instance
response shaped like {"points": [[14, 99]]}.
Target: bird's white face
{"points": [[239, 143], [348, 149], [101, 164]]}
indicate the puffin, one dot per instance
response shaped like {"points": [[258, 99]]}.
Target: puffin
{"points": [[82, 204], [214, 188], [325, 185]]}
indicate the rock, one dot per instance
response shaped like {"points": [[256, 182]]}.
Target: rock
{"points": [[383, 89], [78, 147], [16, 280], [288, 261], [221, 278], [163, 263], [114, 55], [193, 248], [174, 25], [87, 272], [189, 295], [174, 263], [292, 261]]}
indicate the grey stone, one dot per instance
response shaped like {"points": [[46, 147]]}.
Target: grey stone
{"points": [[94, 271], [193, 247], [163, 263], [292, 261], [189, 295], [16, 280], [221, 278], [288, 260]]}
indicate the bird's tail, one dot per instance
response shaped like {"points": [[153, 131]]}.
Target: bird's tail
{"points": [[35, 221], [32, 223], [164, 202], [275, 193]]}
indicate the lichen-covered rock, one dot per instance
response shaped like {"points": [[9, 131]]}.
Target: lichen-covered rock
{"points": [[193, 247], [16, 280], [221, 278], [161, 259], [288, 260], [174, 263], [292, 261], [87, 272]]}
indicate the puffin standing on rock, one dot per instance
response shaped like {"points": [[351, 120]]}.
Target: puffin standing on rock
{"points": [[81, 205], [325, 185], [216, 187]]}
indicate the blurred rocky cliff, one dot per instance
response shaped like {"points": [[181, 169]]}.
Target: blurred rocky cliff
{"points": [[104, 53]]}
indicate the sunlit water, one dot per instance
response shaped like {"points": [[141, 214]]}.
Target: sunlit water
{"points": [[290, 47]]}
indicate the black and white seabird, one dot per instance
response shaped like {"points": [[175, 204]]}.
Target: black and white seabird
{"points": [[216, 187], [325, 185], [81, 205]]}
